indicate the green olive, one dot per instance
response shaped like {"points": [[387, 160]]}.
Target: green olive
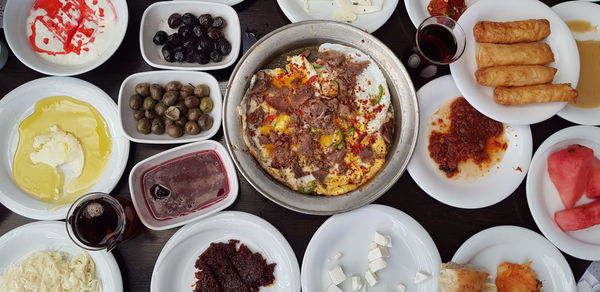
{"points": [[150, 114], [139, 114], [202, 90], [160, 108], [206, 104], [156, 91], [158, 127], [181, 122], [174, 131], [186, 90], [135, 102], [172, 113], [149, 103], [192, 128], [182, 108], [194, 114], [142, 89], [191, 102], [168, 121], [170, 97], [205, 122], [173, 86], [143, 126]]}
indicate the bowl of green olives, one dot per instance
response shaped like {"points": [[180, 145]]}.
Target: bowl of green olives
{"points": [[169, 107], [190, 35]]}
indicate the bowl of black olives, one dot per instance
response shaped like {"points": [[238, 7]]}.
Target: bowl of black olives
{"points": [[168, 107], [190, 35]]}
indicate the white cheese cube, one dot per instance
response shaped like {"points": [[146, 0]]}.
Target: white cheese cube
{"points": [[377, 265], [334, 288], [400, 287], [357, 283], [378, 252], [388, 238], [421, 277], [371, 278], [380, 239], [373, 245], [337, 275]]}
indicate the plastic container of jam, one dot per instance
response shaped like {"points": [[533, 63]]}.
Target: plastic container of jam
{"points": [[183, 184]]}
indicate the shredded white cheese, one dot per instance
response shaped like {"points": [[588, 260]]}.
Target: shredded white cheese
{"points": [[52, 271], [347, 10]]}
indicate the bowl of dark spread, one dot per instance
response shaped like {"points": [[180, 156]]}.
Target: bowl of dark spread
{"points": [[183, 184]]}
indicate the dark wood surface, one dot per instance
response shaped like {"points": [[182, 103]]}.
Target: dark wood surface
{"points": [[449, 227]]}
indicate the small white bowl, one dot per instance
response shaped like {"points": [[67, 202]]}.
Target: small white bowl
{"points": [[137, 193], [155, 19], [162, 77], [15, 31]]}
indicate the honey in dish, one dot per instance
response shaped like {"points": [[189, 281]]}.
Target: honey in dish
{"points": [[76, 118], [588, 86], [581, 26]]}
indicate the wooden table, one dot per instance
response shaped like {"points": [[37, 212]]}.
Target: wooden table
{"points": [[449, 227]]}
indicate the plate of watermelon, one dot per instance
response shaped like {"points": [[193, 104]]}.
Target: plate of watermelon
{"points": [[563, 190]]}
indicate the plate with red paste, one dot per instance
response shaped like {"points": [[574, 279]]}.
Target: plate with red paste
{"points": [[231, 249], [463, 158], [419, 10]]}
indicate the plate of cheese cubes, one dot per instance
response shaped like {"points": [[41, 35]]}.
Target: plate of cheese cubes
{"points": [[374, 248]]}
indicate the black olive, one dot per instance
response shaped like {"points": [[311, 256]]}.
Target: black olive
{"points": [[174, 86], [156, 91], [194, 114], [190, 56], [189, 43], [138, 114], [143, 126], [214, 33], [160, 108], [206, 44], [158, 127], [219, 22], [192, 101], [174, 131], [167, 54], [178, 55], [142, 89], [174, 40], [184, 31], [186, 91], [170, 97], [160, 38], [192, 128], [205, 20], [150, 114], [159, 192], [199, 31], [135, 102], [216, 56], [205, 122], [189, 19], [223, 46], [174, 20], [202, 57], [181, 122]]}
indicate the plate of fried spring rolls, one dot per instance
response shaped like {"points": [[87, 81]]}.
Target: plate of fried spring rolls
{"points": [[520, 63]]}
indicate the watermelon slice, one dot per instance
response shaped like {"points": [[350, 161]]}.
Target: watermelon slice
{"points": [[569, 170], [593, 185], [578, 218]]}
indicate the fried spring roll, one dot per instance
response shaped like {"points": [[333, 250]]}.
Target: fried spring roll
{"points": [[515, 75], [535, 94], [488, 55], [522, 31]]}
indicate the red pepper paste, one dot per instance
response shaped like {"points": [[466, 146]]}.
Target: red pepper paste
{"points": [[452, 8]]}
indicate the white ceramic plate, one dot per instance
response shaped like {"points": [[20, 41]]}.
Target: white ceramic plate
{"points": [[351, 233], [561, 41], [325, 9], [174, 269], [15, 31], [417, 10], [155, 19], [226, 2], [544, 200], [128, 124], [577, 10], [137, 192], [493, 246], [18, 104], [22, 241], [502, 180]]}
